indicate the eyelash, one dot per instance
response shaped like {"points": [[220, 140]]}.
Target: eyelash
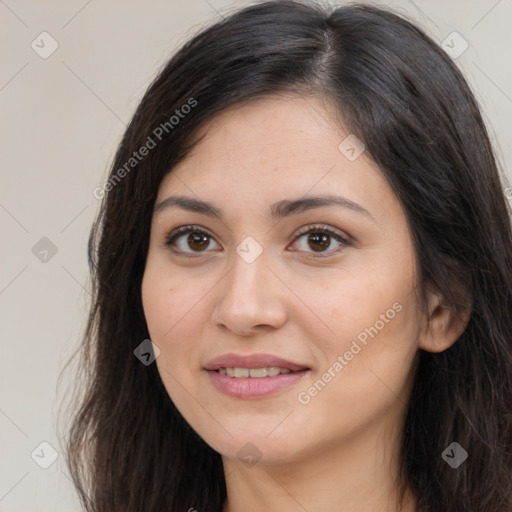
{"points": [[311, 228]]}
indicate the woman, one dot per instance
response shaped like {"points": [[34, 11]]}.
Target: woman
{"points": [[306, 219]]}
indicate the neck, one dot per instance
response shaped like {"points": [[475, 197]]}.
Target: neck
{"points": [[358, 475]]}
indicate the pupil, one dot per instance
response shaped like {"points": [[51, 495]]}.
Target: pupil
{"points": [[319, 238], [197, 238]]}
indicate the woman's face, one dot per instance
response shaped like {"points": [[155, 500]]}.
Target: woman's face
{"points": [[319, 292]]}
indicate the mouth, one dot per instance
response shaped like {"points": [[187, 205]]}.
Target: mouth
{"points": [[254, 373], [253, 376], [259, 364]]}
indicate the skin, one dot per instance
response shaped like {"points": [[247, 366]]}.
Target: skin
{"points": [[340, 450]]}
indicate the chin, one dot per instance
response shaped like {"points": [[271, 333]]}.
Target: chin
{"points": [[255, 447]]}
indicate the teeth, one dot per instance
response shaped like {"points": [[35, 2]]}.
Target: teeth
{"points": [[256, 373], [241, 372]]}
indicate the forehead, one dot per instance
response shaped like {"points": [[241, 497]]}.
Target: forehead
{"points": [[276, 148], [279, 126]]}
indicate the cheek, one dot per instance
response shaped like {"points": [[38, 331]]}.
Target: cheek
{"points": [[371, 342], [367, 370], [363, 306], [175, 308], [168, 309], [373, 350], [174, 316], [168, 302], [156, 305]]}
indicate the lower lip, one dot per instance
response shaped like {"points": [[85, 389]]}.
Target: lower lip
{"points": [[254, 387]]}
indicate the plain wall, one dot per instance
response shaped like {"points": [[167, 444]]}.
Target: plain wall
{"points": [[62, 117]]}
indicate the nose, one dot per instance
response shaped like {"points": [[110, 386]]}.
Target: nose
{"points": [[251, 298]]}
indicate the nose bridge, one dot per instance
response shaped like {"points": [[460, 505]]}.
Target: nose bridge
{"points": [[249, 297], [249, 272]]}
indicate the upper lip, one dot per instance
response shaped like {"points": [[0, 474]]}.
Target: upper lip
{"points": [[252, 361]]}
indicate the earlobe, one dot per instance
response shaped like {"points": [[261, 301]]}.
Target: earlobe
{"points": [[444, 326]]}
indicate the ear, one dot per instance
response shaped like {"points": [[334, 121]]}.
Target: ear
{"points": [[444, 326]]}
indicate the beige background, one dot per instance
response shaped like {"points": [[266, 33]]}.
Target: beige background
{"points": [[62, 118]]}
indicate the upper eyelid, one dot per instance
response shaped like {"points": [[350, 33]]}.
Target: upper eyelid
{"points": [[300, 231], [330, 229], [188, 228]]}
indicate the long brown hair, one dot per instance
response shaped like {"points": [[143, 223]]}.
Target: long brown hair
{"points": [[129, 449]]}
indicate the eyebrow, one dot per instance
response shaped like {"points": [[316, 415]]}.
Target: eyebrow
{"points": [[278, 210]]}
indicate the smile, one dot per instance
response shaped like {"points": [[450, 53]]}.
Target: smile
{"points": [[245, 386], [254, 373]]}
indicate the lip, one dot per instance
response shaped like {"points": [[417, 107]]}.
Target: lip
{"points": [[232, 360], [247, 388]]}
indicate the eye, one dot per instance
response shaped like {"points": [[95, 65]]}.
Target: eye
{"points": [[320, 238], [198, 240]]}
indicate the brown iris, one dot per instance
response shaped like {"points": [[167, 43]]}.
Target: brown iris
{"points": [[198, 241], [319, 238]]}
